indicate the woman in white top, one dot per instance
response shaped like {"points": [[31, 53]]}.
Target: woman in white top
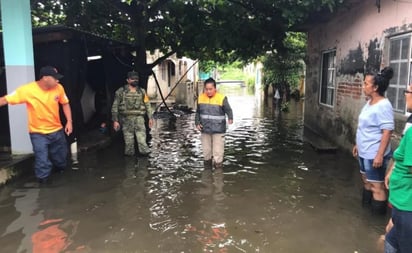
{"points": [[375, 126]]}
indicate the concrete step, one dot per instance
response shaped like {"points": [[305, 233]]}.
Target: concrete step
{"points": [[318, 142], [12, 166]]}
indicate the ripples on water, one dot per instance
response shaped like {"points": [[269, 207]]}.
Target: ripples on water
{"points": [[261, 200], [275, 193], [253, 143]]}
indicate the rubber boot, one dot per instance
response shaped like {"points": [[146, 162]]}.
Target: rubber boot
{"points": [[379, 206], [208, 164], [366, 197], [218, 166]]}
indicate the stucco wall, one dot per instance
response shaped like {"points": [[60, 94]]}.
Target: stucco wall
{"points": [[359, 36], [184, 69]]}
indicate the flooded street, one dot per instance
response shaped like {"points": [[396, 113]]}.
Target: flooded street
{"points": [[275, 194]]}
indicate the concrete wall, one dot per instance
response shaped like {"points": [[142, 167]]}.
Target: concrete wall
{"points": [[360, 37], [186, 94], [169, 73]]}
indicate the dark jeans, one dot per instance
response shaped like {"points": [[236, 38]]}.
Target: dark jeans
{"points": [[49, 149], [399, 237]]}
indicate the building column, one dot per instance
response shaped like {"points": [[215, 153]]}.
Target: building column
{"points": [[18, 58]]}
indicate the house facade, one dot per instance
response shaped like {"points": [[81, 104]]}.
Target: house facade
{"points": [[362, 37], [176, 78]]}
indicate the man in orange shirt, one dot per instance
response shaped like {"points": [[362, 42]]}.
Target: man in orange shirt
{"points": [[42, 99]]}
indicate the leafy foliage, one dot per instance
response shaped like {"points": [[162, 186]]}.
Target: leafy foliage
{"points": [[47, 13], [285, 67], [207, 66], [232, 72], [218, 30]]}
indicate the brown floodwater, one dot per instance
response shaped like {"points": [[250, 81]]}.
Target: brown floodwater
{"points": [[275, 194]]}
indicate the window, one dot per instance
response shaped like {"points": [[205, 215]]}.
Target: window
{"points": [[327, 82], [400, 59], [163, 70]]}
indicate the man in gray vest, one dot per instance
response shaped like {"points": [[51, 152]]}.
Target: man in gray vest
{"points": [[129, 108], [210, 119]]}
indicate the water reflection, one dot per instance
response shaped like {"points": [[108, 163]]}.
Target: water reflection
{"points": [[273, 195], [29, 217], [39, 226], [212, 181]]}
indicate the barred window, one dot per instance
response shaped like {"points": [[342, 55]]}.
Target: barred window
{"points": [[400, 59], [327, 82]]}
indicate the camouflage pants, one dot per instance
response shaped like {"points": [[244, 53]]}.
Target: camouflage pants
{"points": [[134, 126]]}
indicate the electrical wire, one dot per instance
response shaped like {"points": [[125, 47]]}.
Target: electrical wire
{"points": [[177, 83]]}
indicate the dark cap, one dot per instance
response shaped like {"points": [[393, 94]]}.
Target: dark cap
{"points": [[133, 75], [50, 71]]}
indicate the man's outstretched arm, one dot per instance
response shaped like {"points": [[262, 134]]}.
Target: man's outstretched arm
{"points": [[3, 101]]}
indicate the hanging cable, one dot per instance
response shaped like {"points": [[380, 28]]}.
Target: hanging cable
{"points": [[161, 95]]}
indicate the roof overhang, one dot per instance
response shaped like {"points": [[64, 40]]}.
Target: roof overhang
{"points": [[62, 33]]}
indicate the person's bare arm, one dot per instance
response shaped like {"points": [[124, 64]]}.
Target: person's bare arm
{"points": [[389, 173], [68, 129], [386, 137], [3, 101]]}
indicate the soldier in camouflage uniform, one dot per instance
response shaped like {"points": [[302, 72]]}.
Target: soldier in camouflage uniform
{"points": [[130, 105]]}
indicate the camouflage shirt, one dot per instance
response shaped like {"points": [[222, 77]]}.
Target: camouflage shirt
{"points": [[128, 103]]}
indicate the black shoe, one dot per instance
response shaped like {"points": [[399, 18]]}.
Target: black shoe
{"points": [[59, 169], [44, 181]]}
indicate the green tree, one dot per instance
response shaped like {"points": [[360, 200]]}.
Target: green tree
{"points": [[219, 30], [282, 69]]}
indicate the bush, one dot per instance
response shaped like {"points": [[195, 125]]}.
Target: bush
{"points": [[250, 83]]}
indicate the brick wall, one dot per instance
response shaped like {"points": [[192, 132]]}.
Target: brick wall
{"points": [[360, 45]]}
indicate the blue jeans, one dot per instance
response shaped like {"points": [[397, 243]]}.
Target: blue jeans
{"points": [[399, 237], [49, 149], [374, 175], [389, 248]]}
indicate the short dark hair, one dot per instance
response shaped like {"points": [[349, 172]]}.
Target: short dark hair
{"points": [[210, 80]]}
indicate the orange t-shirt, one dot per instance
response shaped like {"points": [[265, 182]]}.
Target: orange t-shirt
{"points": [[42, 106]]}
